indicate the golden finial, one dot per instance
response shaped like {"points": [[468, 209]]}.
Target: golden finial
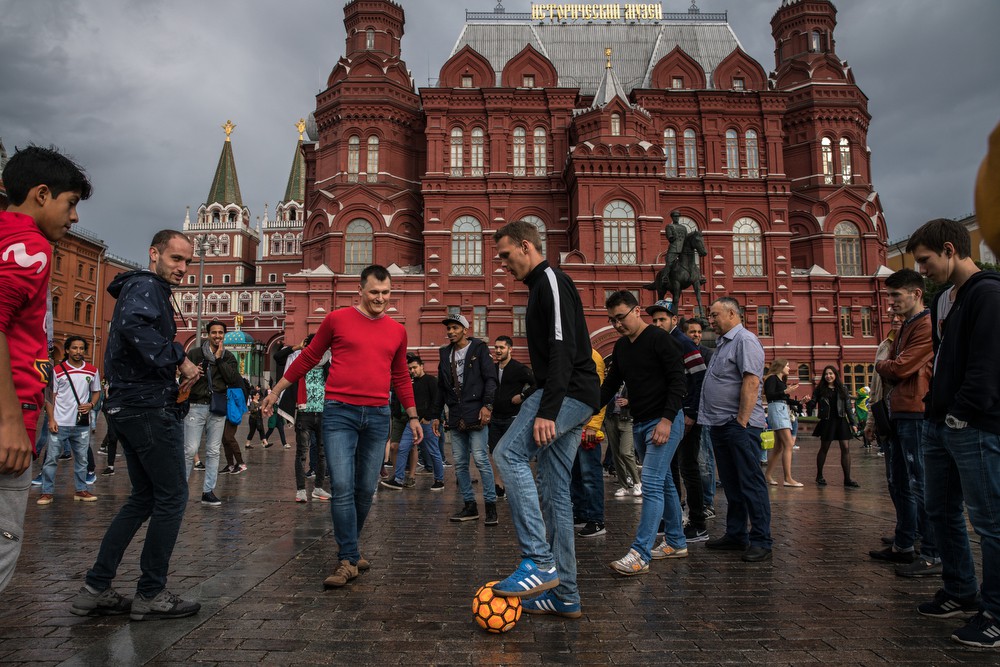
{"points": [[607, 53], [228, 127], [301, 127]]}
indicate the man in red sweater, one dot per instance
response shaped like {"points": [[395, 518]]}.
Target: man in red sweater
{"points": [[368, 351], [44, 188]]}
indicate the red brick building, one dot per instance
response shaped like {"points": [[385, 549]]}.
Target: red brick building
{"points": [[533, 119]]}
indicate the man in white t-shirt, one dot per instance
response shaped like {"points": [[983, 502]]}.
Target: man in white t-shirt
{"points": [[76, 388]]}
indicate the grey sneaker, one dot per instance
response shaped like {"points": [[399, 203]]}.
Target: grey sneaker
{"points": [[106, 603], [164, 605]]}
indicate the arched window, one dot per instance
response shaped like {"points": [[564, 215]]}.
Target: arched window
{"points": [[748, 254], [541, 160], [276, 244], [805, 376], [688, 223], [457, 139], [278, 304], [467, 247], [540, 225], [520, 161], [232, 217], [847, 249], [478, 151], [369, 39], [265, 302], [189, 303], [213, 303], [753, 155], [616, 125], [224, 304], [245, 303], [690, 155], [55, 308], [732, 154], [353, 158], [289, 243], [358, 241], [216, 216], [372, 159], [826, 149], [846, 173], [224, 244], [89, 311], [619, 233], [670, 152]]}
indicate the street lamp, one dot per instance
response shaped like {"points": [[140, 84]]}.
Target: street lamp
{"points": [[203, 244]]}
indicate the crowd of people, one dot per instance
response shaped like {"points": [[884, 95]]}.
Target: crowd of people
{"points": [[672, 412]]}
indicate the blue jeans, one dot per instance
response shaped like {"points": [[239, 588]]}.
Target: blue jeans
{"points": [[706, 462], [964, 465], [429, 444], [152, 440], [475, 443], [198, 421], [737, 452], [543, 515], [906, 459], [587, 485], [77, 438], [659, 495], [354, 438]]}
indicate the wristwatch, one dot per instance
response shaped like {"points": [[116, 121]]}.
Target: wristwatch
{"points": [[489, 406], [955, 423]]}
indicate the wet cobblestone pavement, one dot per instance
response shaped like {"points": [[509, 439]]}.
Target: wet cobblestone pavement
{"points": [[257, 564]]}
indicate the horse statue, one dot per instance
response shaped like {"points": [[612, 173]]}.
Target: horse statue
{"points": [[682, 273]]}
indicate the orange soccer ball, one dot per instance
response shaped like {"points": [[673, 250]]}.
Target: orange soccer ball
{"points": [[495, 613]]}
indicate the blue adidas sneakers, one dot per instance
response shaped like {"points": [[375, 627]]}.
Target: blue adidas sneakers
{"points": [[527, 580], [547, 603]]}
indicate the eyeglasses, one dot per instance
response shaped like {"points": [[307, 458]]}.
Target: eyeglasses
{"points": [[618, 319]]}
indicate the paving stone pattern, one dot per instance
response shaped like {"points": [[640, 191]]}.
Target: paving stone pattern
{"points": [[257, 564]]}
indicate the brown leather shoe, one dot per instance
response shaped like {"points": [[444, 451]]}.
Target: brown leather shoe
{"points": [[344, 573], [85, 496], [363, 564]]}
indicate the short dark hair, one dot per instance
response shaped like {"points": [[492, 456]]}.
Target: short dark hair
{"points": [[72, 339], [518, 231], [410, 358], [905, 279], [686, 324], [621, 297], [33, 166], [215, 323], [309, 339], [934, 234], [505, 339], [377, 271], [162, 239]]}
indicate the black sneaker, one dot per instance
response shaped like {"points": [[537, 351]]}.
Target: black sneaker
{"points": [[65, 457], [110, 470], [391, 483], [225, 470], [919, 568], [469, 512], [438, 485], [199, 466], [709, 512], [592, 529], [206, 499], [105, 603], [491, 515], [692, 534], [163, 605], [310, 474], [890, 554], [981, 631], [578, 522], [501, 491], [946, 606]]}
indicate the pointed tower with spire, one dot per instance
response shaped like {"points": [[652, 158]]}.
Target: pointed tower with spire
{"points": [[281, 237]]}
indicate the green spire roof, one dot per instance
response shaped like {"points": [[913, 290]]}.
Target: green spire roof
{"points": [[296, 188], [225, 186]]}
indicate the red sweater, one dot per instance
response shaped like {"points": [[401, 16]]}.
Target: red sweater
{"points": [[25, 262], [366, 354]]}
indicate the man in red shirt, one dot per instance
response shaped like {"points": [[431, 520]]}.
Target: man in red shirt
{"points": [[44, 188], [368, 352]]}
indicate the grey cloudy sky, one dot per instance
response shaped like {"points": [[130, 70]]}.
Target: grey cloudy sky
{"points": [[137, 90]]}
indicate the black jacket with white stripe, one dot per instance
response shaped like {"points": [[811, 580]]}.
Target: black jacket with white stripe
{"points": [[559, 342]]}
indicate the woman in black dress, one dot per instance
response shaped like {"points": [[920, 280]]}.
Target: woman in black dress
{"points": [[836, 422]]}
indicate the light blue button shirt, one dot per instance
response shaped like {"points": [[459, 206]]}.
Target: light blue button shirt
{"points": [[738, 351]]}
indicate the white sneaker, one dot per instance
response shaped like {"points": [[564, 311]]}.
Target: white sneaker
{"points": [[300, 496], [637, 489], [631, 564], [623, 492], [320, 494]]}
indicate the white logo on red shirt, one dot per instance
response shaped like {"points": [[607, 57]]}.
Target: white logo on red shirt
{"points": [[21, 256]]}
